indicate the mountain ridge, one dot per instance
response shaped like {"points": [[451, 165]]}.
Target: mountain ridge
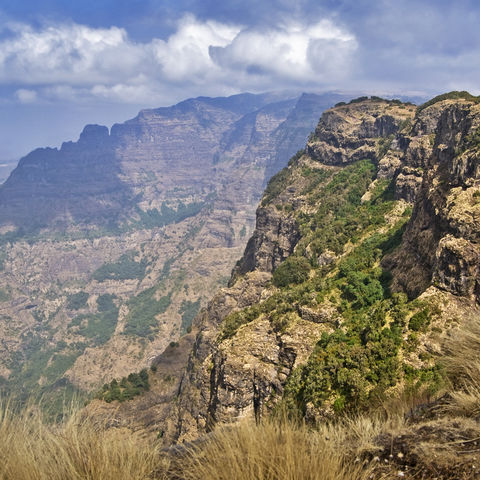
{"points": [[122, 235], [315, 316]]}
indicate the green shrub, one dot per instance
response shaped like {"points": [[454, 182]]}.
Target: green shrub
{"points": [[126, 268], [232, 322], [105, 302], [128, 387], [100, 326], [420, 320], [77, 300], [168, 215], [362, 290], [293, 270]]}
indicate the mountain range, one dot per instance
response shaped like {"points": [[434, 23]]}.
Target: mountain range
{"points": [[110, 245], [363, 265]]}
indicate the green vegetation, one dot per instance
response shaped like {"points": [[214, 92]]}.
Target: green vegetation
{"points": [[125, 389], [383, 145], [3, 258], [105, 302], [36, 375], [76, 301], [59, 364], [316, 176], [292, 270], [142, 310], [167, 215], [276, 185], [472, 140], [4, 295], [420, 320], [188, 310], [340, 216], [354, 365], [235, 320], [454, 95], [99, 327], [296, 157], [126, 268], [373, 98]]}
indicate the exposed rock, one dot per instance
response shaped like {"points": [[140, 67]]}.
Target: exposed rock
{"points": [[349, 133], [441, 240], [456, 267], [272, 242], [408, 183]]}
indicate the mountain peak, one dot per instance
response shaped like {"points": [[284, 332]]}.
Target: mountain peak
{"points": [[94, 133]]}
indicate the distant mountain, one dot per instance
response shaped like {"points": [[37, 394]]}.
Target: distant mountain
{"points": [[111, 244]]}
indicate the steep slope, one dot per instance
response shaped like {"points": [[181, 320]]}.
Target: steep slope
{"points": [[112, 244], [315, 317]]}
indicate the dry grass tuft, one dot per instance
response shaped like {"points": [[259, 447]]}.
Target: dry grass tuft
{"points": [[462, 363], [31, 449], [270, 451]]}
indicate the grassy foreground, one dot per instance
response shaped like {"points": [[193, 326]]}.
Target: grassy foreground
{"points": [[32, 449], [411, 438]]}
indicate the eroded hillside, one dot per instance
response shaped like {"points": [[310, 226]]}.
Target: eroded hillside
{"points": [[364, 258]]}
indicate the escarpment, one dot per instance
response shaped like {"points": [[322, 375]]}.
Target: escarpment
{"points": [[364, 256], [110, 245]]}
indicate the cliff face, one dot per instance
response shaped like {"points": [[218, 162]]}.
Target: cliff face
{"points": [[382, 201], [110, 245], [441, 243]]}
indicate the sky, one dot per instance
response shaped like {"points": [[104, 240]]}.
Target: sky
{"points": [[66, 63]]}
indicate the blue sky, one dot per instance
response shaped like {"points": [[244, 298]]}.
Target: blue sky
{"points": [[64, 63]]}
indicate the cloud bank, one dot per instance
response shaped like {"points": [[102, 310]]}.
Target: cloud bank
{"points": [[79, 63]]}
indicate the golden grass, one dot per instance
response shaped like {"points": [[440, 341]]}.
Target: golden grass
{"points": [[277, 449], [274, 450], [31, 449], [462, 363]]}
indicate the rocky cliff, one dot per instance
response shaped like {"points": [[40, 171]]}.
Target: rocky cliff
{"points": [[364, 257], [110, 245], [442, 240]]}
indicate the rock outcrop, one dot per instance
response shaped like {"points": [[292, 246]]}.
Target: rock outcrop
{"points": [[442, 240]]}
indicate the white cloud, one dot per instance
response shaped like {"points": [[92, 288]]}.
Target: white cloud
{"points": [[72, 62], [75, 54], [296, 52], [185, 55], [26, 96]]}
